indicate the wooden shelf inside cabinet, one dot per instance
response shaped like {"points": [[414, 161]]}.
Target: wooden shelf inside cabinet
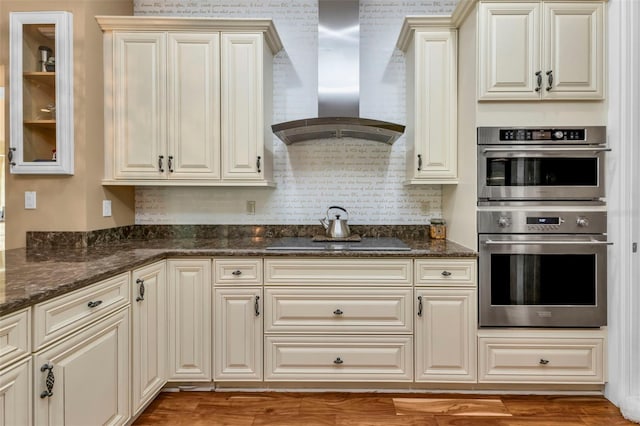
{"points": [[49, 124]]}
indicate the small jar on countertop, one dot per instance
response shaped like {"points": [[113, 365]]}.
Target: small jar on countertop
{"points": [[437, 229]]}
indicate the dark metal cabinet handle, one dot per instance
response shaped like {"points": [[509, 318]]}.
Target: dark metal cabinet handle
{"points": [[338, 361], [160, 166], [258, 164], [338, 312], [94, 304], [419, 162], [544, 361], [140, 297], [49, 381], [237, 272], [256, 306], [10, 156], [419, 306], [446, 273], [170, 164], [538, 81], [549, 80]]}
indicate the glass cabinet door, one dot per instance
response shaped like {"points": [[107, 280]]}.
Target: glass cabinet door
{"points": [[41, 93]]}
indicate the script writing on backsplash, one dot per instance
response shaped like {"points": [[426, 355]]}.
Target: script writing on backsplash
{"points": [[364, 177]]}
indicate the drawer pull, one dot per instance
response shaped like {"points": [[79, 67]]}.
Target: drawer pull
{"points": [[237, 273], [446, 273], [140, 297], [49, 381], [338, 361], [544, 361], [338, 312], [419, 306], [94, 304], [256, 306]]}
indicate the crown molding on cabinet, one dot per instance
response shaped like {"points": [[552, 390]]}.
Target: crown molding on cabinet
{"points": [[172, 23]]}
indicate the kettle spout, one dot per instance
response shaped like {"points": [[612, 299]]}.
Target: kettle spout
{"points": [[324, 223]]}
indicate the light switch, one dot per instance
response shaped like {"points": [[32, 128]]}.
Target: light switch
{"points": [[106, 208], [30, 199]]}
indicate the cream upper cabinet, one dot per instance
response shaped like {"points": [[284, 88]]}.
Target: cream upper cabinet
{"points": [[432, 142], [191, 101], [541, 50], [41, 93], [189, 319], [148, 333]]}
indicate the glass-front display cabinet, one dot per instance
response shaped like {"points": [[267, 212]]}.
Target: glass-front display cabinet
{"points": [[41, 93]]}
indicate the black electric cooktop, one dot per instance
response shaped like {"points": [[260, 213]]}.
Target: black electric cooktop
{"points": [[365, 244]]}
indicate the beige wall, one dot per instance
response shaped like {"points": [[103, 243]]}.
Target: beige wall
{"points": [[70, 203]]}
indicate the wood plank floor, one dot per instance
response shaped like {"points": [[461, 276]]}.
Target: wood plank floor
{"points": [[347, 409]]}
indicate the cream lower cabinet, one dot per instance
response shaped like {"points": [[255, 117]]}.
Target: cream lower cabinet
{"points": [[432, 141], [541, 50], [84, 379], [446, 320], [238, 319], [542, 356], [189, 319], [338, 320], [16, 393], [148, 333], [188, 101], [15, 368]]}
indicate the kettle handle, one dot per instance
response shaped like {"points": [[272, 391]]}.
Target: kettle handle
{"points": [[338, 208]]}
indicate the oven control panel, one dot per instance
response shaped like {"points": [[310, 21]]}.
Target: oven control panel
{"points": [[542, 134], [530, 222]]}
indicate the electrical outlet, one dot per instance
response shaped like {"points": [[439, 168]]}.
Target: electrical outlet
{"points": [[30, 200], [106, 208], [251, 207]]}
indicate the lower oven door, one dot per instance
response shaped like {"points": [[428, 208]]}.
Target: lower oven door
{"points": [[542, 280]]}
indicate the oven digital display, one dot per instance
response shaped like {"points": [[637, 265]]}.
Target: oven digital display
{"points": [[537, 220], [541, 135]]}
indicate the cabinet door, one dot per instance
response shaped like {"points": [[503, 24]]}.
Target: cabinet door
{"points": [[16, 394], [238, 334], [445, 335], [433, 158], [242, 103], [189, 283], [509, 51], [193, 105], [41, 85], [149, 333], [139, 96], [91, 376], [574, 50]]}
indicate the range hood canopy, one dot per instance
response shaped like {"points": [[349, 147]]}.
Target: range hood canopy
{"points": [[338, 83]]}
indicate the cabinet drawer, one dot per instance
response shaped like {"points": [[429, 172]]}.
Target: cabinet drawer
{"points": [[339, 358], [526, 360], [15, 336], [338, 271], [338, 310], [237, 271], [65, 314], [445, 272]]}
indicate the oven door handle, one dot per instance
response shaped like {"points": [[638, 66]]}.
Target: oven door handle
{"points": [[549, 149], [529, 243]]}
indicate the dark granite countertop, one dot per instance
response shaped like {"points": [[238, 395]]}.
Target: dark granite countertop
{"points": [[37, 274]]}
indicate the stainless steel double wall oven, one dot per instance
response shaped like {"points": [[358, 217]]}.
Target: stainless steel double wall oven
{"points": [[542, 226]]}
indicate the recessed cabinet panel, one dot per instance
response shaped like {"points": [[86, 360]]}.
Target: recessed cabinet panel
{"points": [[41, 93], [16, 394]]}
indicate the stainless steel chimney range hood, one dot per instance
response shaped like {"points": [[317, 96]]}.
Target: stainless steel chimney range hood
{"points": [[338, 83]]}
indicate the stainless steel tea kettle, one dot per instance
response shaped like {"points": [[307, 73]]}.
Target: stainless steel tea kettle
{"points": [[336, 228]]}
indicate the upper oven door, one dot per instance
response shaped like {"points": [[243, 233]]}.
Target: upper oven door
{"points": [[541, 172]]}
